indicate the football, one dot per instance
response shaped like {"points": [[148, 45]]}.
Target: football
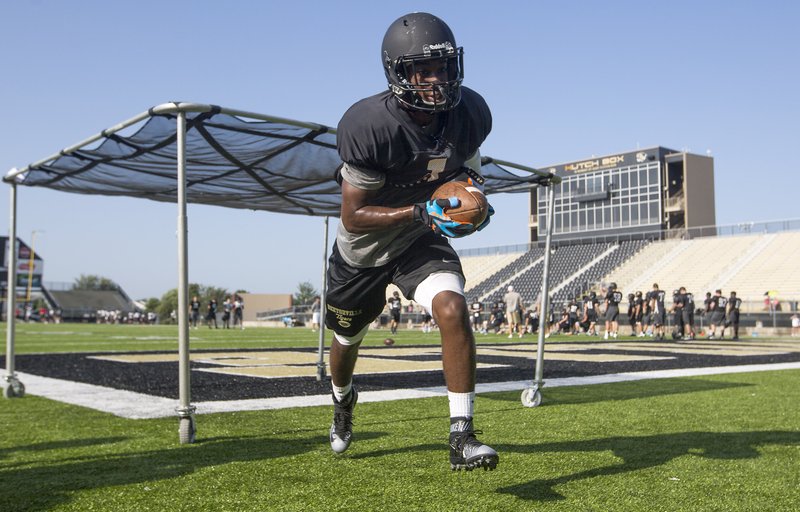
{"points": [[473, 207], [388, 342]]}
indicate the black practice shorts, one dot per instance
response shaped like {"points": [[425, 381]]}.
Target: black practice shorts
{"points": [[733, 319], [395, 314], [657, 318], [612, 313], [591, 316], [717, 318], [688, 316], [356, 296]]}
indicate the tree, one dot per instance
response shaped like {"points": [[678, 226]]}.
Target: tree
{"points": [[305, 294], [152, 304], [92, 282]]}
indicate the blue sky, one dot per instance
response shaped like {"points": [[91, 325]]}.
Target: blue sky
{"points": [[565, 81]]}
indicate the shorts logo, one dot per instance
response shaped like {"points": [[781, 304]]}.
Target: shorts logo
{"points": [[344, 317]]}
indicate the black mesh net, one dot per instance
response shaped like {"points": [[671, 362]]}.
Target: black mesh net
{"points": [[231, 161]]}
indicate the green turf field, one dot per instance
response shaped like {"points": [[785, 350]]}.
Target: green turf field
{"points": [[726, 442], [49, 338], [37, 338], [714, 443]]}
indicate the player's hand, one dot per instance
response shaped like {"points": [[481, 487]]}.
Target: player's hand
{"points": [[487, 219], [432, 214]]}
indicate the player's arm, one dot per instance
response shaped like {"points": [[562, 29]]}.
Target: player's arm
{"points": [[360, 215]]}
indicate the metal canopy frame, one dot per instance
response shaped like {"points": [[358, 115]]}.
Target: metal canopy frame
{"points": [[185, 410]]}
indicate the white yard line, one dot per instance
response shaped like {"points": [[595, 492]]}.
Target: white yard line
{"points": [[132, 405]]}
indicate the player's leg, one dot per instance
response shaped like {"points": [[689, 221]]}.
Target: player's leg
{"points": [[354, 299], [442, 293]]}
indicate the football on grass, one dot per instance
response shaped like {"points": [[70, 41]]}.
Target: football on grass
{"points": [[473, 207], [388, 342]]}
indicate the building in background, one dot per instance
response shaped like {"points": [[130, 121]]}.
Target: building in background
{"points": [[656, 192], [30, 268]]}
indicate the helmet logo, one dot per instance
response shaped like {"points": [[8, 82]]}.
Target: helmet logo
{"points": [[445, 47]]}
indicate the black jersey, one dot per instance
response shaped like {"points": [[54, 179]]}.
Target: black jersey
{"points": [[679, 300], [476, 308], [194, 306], [590, 307], [721, 303], [658, 297], [735, 303], [402, 163], [573, 309], [378, 135], [394, 303], [614, 298], [689, 301]]}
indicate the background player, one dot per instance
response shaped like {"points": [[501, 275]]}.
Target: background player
{"points": [[476, 311], [590, 313], [513, 302], [613, 298], [732, 315], [397, 147], [395, 307], [658, 315], [632, 307], [639, 311], [717, 306], [678, 305], [688, 314]]}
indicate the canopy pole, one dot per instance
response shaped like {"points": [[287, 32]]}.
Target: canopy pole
{"points": [[545, 308], [532, 397], [322, 305], [185, 410], [12, 387]]}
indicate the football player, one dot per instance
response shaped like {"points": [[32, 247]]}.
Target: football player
{"points": [[395, 307], [632, 313], [590, 314], [732, 315], [658, 315], [476, 310], [678, 305], [688, 314], [640, 328], [397, 147], [717, 306], [613, 298]]}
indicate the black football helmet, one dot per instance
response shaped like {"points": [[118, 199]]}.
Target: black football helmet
{"points": [[418, 38]]}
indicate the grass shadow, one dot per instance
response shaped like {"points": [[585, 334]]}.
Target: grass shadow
{"points": [[34, 486], [644, 452]]}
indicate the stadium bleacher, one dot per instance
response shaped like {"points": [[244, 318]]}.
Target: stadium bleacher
{"points": [[750, 264]]}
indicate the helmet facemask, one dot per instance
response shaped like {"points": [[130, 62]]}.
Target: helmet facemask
{"points": [[429, 96]]}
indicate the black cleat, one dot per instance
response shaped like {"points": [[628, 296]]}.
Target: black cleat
{"points": [[342, 427], [466, 452]]}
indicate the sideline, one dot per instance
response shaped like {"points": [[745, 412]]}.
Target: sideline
{"points": [[132, 405]]}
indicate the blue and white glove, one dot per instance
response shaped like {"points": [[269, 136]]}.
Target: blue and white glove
{"points": [[487, 219], [433, 215]]}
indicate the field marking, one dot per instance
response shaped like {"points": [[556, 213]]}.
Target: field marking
{"points": [[132, 405]]}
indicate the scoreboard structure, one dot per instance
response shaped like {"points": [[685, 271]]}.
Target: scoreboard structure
{"points": [[30, 268], [647, 193]]}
